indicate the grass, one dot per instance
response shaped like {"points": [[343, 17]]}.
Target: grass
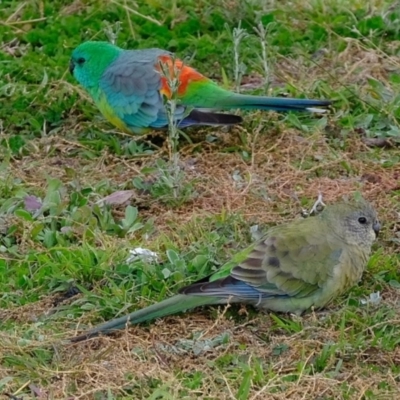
{"points": [[76, 196]]}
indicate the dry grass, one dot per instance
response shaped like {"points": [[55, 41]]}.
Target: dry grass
{"points": [[288, 167], [127, 362]]}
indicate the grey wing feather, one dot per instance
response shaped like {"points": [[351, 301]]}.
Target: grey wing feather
{"points": [[131, 84]]}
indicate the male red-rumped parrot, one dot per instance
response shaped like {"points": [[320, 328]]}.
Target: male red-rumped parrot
{"points": [[128, 87], [296, 266]]}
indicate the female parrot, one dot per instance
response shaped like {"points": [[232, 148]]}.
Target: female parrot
{"points": [[303, 264], [128, 88]]}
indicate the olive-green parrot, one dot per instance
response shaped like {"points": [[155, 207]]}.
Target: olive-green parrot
{"points": [[296, 266]]}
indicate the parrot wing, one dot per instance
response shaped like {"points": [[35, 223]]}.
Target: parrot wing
{"points": [[132, 86], [284, 263]]}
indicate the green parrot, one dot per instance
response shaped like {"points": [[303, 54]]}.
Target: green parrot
{"points": [[296, 266], [128, 88]]}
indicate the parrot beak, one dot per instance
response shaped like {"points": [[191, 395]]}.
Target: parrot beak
{"points": [[71, 66], [376, 227]]}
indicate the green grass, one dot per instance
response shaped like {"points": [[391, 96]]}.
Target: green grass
{"points": [[59, 160]]}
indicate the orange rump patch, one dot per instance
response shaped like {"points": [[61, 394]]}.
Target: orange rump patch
{"points": [[176, 67]]}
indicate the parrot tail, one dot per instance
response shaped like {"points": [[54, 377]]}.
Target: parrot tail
{"points": [[280, 104], [170, 306], [204, 117]]}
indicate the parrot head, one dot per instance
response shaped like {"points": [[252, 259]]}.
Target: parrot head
{"points": [[356, 222], [89, 61]]}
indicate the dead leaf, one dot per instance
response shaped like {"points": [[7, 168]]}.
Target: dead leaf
{"points": [[117, 198]]}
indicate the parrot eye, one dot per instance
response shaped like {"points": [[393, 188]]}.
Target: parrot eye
{"points": [[362, 220], [80, 61]]}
